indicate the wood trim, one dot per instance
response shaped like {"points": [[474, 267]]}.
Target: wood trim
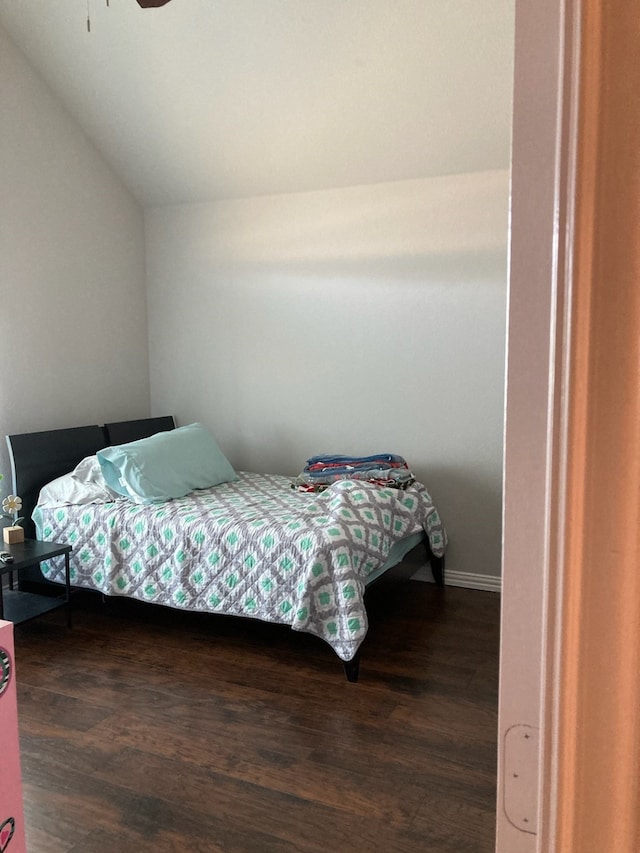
{"points": [[529, 414], [591, 799]]}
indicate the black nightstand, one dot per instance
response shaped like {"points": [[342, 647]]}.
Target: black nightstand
{"points": [[19, 606]]}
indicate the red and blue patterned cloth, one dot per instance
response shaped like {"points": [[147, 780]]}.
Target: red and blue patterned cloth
{"points": [[383, 469]]}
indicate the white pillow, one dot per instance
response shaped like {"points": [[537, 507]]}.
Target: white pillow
{"points": [[84, 485]]}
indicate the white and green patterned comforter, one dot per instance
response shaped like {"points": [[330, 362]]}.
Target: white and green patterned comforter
{"points": [[254, 547]]}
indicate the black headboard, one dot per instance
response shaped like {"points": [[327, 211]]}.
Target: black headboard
{"points": [[39, 457], [124, 431]]}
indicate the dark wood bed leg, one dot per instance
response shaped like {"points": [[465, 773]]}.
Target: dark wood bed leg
{"points": [[352, 667], [437, 570], [437, 565]]}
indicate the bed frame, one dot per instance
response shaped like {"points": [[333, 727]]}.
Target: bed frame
{"points": [[39, 457]]}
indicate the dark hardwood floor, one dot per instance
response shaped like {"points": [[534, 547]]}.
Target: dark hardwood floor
{"points": [[144, 729]]}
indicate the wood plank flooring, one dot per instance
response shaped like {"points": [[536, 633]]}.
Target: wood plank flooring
{"points": [[144, 729]]}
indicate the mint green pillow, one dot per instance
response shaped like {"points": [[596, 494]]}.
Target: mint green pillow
{"points": [[166, 465]]}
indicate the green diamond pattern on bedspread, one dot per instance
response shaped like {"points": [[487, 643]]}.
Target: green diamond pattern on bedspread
{"points": [[253, 547]]}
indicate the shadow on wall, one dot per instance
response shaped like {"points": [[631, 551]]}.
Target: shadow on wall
{"points": [[470, 506], [446, 215], [445, 267]]}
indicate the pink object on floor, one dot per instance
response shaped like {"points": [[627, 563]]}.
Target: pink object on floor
{"points": [[12, 839]]}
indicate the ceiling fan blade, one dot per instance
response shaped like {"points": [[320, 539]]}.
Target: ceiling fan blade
{"points": [[151, 4]]}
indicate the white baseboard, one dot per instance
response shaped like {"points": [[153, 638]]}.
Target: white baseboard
{"points": [[469, 580]]}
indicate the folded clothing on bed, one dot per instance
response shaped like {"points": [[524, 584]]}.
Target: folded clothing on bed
{"points": [[384, 469]]}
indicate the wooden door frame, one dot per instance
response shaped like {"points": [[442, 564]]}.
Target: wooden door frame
{"points": [[570, 654]]}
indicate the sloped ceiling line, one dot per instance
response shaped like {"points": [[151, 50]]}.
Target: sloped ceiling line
{"points": [[240, 98]]}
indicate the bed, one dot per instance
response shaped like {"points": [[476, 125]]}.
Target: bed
{"points": [[251, 546]]}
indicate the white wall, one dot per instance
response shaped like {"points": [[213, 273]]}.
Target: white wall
{"points": [[73, 315], [352, 320]]}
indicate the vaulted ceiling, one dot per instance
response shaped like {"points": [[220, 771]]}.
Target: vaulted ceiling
{"points": [[206, 99]]}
